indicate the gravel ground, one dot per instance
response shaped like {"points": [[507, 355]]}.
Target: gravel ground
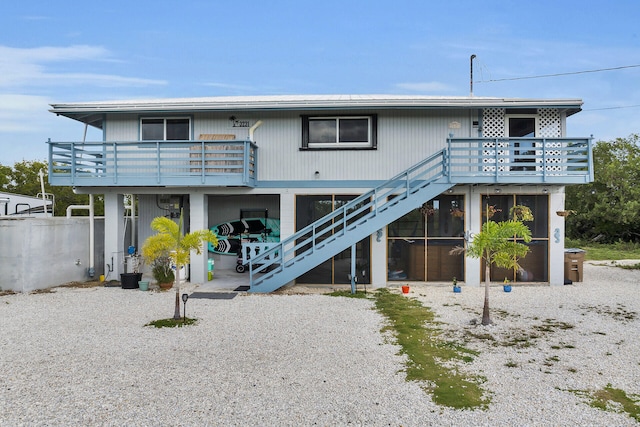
{"points": [[83, 357]]}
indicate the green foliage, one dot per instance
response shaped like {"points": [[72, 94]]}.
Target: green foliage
{"points": [[162, 271], [430, 357], [496, 245], [170, 242], [609, 207], [23, 179], [172, 323]]}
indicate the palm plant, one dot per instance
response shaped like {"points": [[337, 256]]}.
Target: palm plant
{"points": [[170, 241], [496, 244]]}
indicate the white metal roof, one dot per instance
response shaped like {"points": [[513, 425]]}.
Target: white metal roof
{"points": [[86, 111]]}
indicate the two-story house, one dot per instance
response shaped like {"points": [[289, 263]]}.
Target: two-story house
{"points": [[377, 187]]}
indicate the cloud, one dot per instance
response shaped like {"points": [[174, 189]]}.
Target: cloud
{"points": [[22, 113], [21, 68], [426, 87]]}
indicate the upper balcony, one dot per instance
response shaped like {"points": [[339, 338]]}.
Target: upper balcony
{"points": [[519, 160], [153, 163], [234, 163]]}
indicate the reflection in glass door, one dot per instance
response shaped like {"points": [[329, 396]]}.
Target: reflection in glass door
{"points": [[420, 242]]}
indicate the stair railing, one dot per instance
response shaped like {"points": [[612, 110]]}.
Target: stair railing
{"points": [[356, 212]]}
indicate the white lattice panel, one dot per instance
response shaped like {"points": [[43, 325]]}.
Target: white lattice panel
{"points": [[550, 126], [493, 127]]}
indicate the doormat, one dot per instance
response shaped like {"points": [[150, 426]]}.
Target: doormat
{"points": [[242, 288], [213, 295]]}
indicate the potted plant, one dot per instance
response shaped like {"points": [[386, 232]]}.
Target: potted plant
{"points": [[162, 271], [506, 286], [457, 289]]}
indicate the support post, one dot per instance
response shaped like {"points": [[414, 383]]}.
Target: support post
{"points": [[354, 277]]}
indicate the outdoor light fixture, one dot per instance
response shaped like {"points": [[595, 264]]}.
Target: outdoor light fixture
{"points": [[498, 191], [185, 297], [545, 190]]}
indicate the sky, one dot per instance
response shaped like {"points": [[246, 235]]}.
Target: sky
{"points": [[72, 51]]}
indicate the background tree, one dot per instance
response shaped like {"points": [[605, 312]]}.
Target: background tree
{"points": [[23, 178], [609, 208]]}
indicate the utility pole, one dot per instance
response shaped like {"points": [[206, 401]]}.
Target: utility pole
{"points": [[471, 77]]}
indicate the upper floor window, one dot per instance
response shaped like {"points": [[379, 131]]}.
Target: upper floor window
{"points": [[165, 129], [335, 132]]}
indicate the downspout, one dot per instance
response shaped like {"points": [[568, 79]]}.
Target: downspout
{"points": [[253, 128], [44, 196], [92, 270], [131, 207]]}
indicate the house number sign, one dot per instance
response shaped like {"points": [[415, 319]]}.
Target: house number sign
{"points": [[241, 123]]}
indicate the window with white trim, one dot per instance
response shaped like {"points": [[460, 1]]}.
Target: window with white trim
{"points": [[165, 129], [339, 132]]}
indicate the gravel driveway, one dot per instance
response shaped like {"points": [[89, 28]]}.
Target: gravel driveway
{"points": [[83, 357]]}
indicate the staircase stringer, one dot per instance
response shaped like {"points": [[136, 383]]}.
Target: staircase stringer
{"points": [[289, 270]]}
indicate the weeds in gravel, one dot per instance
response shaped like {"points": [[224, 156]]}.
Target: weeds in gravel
{"points": [[429, 355], [619, 313], [172, 323], [612, 399], [511, 364]]}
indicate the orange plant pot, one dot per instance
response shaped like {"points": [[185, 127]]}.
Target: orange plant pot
{"points": [[405, 289]]}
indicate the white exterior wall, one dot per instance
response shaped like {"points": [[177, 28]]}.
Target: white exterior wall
{"points": [[556, 237], [113, 235], [39, 253]]}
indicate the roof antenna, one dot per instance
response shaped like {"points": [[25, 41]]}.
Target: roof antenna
{"points": [[471, 79]]}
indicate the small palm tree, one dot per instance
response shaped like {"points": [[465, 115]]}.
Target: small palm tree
{"points": [[170, 240], [496, 244]]}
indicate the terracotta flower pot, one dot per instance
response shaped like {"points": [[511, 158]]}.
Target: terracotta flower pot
{"points": [[405, 289], [168, 285]]}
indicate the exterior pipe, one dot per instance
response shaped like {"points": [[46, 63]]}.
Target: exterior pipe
{"points": [[44, 196], [92, 270], [253, 128]]}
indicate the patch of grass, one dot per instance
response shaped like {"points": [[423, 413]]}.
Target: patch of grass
{"points": [[43, 291], [348, 294], [562, 345], [172, 323], [511, 364], [484, 336], [429, 355], [551, 325], [87, 284], [612, 399], [608, 251]]}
